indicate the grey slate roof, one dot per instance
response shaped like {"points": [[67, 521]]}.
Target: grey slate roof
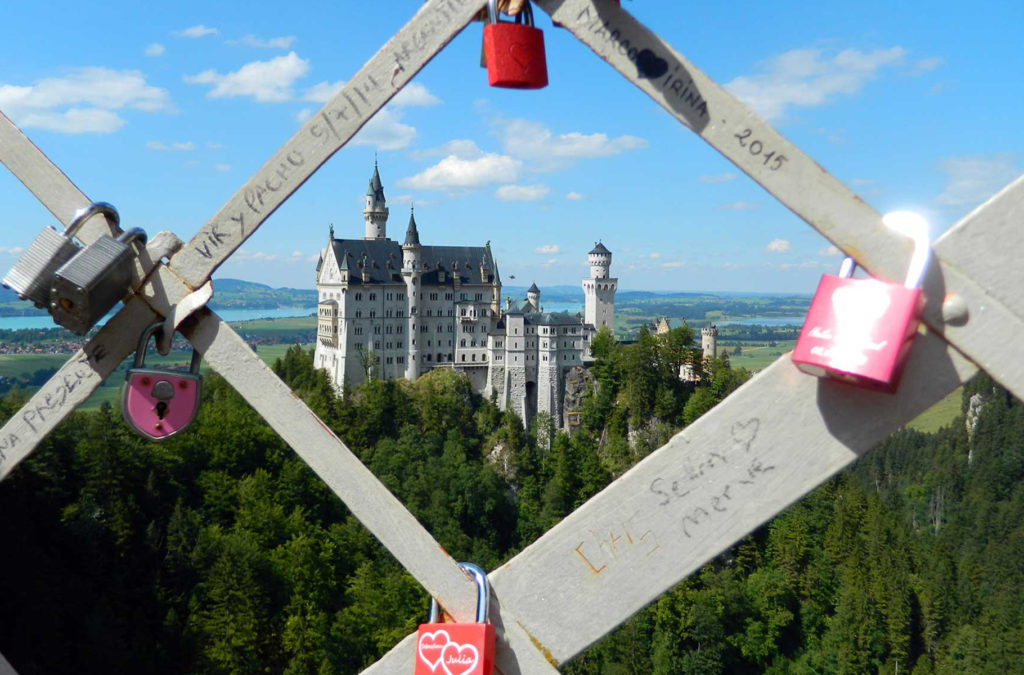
{"points": [[383, 259], [412, 235], [376, 189], [600, 248], [533, 288]]}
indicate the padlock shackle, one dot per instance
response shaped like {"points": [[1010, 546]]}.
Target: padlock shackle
{"points": [[483, 595], [136, 234], [524, 16], [140, 350], [912, 225], [82, 215]]}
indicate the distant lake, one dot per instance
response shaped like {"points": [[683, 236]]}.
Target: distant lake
{"points": [[20, 322], [765, 321]]}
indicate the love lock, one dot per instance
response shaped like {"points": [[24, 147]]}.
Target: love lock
{"points": [[514, 51], [157, 403], [458, 648], [860, 330]]}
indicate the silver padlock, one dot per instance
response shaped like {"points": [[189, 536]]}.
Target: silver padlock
{"points": [[32, 276], [86, 287]]}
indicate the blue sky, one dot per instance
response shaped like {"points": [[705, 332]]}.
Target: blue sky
{"points": [[166, 109]]}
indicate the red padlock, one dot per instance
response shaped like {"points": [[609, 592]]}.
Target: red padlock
{"points": [[514, 51], [458, 648], [860, 330]]}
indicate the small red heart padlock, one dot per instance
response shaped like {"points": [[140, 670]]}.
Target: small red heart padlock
{"points": [[157, 403], [514, 51], [458, 648], [860, 330]]}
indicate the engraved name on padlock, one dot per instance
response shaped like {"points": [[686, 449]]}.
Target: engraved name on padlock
{"points": [[159, 403], [860, 330], [88, 286], [32, 276], [458, 648], [514, 51]]}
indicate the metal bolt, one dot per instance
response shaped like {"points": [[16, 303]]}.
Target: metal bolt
{"points": [[954, 310]]}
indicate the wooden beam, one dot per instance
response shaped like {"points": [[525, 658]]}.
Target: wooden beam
{"points": [[816, 196], [326, 132]]}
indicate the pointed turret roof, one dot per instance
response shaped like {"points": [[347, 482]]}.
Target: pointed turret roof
{"points": [[599, 248], [343, 262], [533, 288], [412, 235], [376, 189]]}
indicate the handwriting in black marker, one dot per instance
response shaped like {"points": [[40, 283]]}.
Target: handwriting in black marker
{"points": [[744, 433]]}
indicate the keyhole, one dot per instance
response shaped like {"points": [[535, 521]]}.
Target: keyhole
{"points": [[161, 409]]}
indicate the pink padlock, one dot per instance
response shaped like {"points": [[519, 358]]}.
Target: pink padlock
{"points": [[157, 403], [860, 330]]}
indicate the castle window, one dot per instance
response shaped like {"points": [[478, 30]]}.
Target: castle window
{"points": [[401, 296], [359, 313], [400, 329], [358, 330], [373, 296], [398, 345], [376, 330], [440, 328], [462, 342], [545, 357], [479, 296], [428, 343], [376, 345], [474, 357], [447, 296], [359, 296], [463, 357], [373, 313], [423, 328], [433, 296], [399, 359], [428, 357]]}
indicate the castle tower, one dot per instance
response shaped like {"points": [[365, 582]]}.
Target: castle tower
{"points": [[709, 341], [533, 296], [375, 211], [412, 270], [599, 289]]}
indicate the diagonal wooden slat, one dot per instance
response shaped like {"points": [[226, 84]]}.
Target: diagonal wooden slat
{"points": [[6, 668], [798, 181], [772, 441], [433, 26], [45, 180]]}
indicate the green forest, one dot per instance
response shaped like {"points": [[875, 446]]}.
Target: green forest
{"points": [[219, 551]]}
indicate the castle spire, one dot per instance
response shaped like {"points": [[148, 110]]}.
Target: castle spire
{"points": [[412, 235], [375, 212]]}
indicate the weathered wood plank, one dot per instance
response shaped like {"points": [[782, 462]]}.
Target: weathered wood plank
{"points": [[981, 271], [365, 496], [48, 183], [72, 384], [5, 667], [433, 26], [807, 189]]}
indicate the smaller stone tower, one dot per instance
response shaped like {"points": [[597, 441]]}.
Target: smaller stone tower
{"points": [[709, 341], [599, 289], [375, 212], [533, 296], [412, 270]]}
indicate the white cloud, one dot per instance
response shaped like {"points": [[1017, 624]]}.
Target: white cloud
{"points": [[454, 174], [717, 178], [927, 65], [259, 43], [521, 193], [303, 115], [737, 206], [673, 264], [547, 249], [414, 94], [385, 131], [573, 196], [972, 180], [214, 146], [829, 251], [82, 101], [654, 256], [158, 145], [12, 250], [322, 92], [808, 77], [535, 142], [195, 32], [777, 246], [266, 81], [222, 167], [551, 262], [462, 148], [155, 49]]}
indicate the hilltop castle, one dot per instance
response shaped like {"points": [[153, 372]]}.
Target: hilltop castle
{"points": [[388, 311]]}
